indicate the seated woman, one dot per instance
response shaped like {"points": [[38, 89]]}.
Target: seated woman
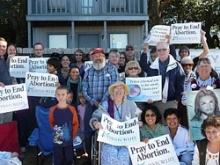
{"points": [[121, 109], [152, 128], [207, 150], [183, 145]]}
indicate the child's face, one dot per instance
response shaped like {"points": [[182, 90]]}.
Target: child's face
{"points": [[61, 95], [82, 100], [69, 98], [51, 69]]}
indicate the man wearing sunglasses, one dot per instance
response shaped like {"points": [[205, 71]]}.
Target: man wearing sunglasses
{"points": [[172, 76]]}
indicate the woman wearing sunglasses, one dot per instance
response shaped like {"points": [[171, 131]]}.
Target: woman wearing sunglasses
{"points": [[152, 128], [133, 70]]}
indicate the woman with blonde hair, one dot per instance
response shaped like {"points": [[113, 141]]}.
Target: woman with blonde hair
{"points": [[120, 109]]}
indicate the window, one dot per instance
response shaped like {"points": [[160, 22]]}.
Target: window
{"points": [[58, 41], [118, 40]]}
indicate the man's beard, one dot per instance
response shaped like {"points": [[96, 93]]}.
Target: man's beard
{"points": [[99, 66]]}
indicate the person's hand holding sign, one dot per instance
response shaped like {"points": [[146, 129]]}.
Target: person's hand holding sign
{"points": [[97, 125], [145, 140]]}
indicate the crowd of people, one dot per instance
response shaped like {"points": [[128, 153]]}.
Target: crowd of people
{"points": [[85, 93]]}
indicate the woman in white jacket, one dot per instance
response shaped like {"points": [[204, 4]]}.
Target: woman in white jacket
{"points": [[183, 145]]}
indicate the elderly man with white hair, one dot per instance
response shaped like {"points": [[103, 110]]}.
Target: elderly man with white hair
{"points": [[95, 85], [172, 77]]}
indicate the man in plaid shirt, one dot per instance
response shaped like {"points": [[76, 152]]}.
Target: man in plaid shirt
{"points": [[95, 85]]}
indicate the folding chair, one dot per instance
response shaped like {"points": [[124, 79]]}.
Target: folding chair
{"points": [[9, 141], [9, 137], [42, 137]]}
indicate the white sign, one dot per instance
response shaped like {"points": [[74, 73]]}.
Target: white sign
{"points": [[184, 33], [38, 65], [18, 66], [213, 56], [143, 89], [157, 151], [88, 64], [119, 133], [157, 34], [13, 98], [41, 84]]}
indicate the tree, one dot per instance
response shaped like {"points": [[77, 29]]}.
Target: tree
{"points": [[13, 21], [180, 11]]}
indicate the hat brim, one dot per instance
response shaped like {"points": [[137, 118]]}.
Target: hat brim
{"points": [[126, 88]]}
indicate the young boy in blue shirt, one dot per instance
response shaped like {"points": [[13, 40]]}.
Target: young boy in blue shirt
{"points": [[64, 122]]}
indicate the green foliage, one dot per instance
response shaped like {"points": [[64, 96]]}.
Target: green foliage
{"points": [[12, 21]]}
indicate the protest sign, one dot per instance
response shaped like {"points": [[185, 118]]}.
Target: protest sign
{"points": [[119, 133], [38, 65], [157, 151], [41, 84], [88, 64], [200, 105], [142, 89], [18, 66], [157, 34], [213, 55], [13, 98], [186, 33]]}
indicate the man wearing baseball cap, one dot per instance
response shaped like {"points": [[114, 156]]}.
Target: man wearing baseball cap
{"points": [[95, 85]]}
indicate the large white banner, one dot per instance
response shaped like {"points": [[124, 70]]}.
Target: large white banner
{"points": [[157, 34], [119, 133], [38, 65], [41, 84], [186, 33], [18, 66], [214, 56], [13, 98], [157, 151], [142, 89]]}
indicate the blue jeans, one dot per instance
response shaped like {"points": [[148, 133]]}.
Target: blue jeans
{"points": [[186, 158]]}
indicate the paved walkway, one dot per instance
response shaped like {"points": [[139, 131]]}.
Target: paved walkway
{"points": [[30, 158]]}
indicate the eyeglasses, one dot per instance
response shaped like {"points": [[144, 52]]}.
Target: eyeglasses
{"points": [[131, 68], [184, 65], [161, 50], [150, 115], [203, 66], [211, 133]]}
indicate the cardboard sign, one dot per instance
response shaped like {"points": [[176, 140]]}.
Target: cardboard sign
{"points": [[18, 66], [38, 65], [41, 84], [157, 151], [142, 89], [119, 133], [186, 33], [13, 98]]}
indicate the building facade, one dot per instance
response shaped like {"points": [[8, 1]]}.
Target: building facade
{"points": [[87, 23]]}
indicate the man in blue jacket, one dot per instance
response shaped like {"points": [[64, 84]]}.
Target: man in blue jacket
{"points": [[172, 77]]}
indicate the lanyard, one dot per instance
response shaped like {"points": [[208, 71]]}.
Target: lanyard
{"points": [[117, 109]]}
